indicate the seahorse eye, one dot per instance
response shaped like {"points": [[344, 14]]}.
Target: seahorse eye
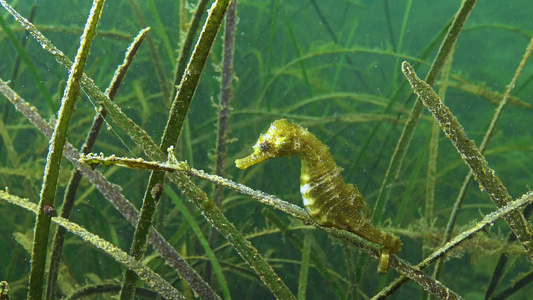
{"points": [[264, 146]]}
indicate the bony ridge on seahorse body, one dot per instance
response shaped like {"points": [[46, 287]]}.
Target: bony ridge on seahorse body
{"points": [[327, 198]]}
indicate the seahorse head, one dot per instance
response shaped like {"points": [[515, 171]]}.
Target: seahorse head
{"points": [[280, 140]]}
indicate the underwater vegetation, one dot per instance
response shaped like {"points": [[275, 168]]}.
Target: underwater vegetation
{"points": [[120, 125]]}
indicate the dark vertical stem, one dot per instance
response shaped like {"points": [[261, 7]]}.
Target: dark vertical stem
{"points": [[223, 113], [225, 96]]}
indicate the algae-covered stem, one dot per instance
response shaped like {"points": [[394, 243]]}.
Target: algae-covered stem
{"points": [[55, 153], [486, 139], [75, 179], [187, 43], [471, 155], [177, 115]]}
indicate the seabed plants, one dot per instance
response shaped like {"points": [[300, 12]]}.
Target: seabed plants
{"points": [[161, 210]]}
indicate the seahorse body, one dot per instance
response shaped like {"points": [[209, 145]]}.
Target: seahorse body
{"points": [[327, 198]]}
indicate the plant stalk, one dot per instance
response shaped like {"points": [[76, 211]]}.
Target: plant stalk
{"points": [[472, 156], [178, 112], [55, 154]]}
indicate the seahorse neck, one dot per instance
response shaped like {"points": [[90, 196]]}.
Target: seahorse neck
{"points": [[316, 159]]}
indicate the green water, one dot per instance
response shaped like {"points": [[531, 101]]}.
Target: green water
{"points": [[331, 66]]}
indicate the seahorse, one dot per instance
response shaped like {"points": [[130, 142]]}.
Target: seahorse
{"points": [[329, 200]]}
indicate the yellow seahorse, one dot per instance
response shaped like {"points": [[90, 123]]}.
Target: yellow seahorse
{"points": [[327, 198]]}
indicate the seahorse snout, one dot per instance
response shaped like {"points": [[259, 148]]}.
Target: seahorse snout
{"points": [[256, 157]]}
